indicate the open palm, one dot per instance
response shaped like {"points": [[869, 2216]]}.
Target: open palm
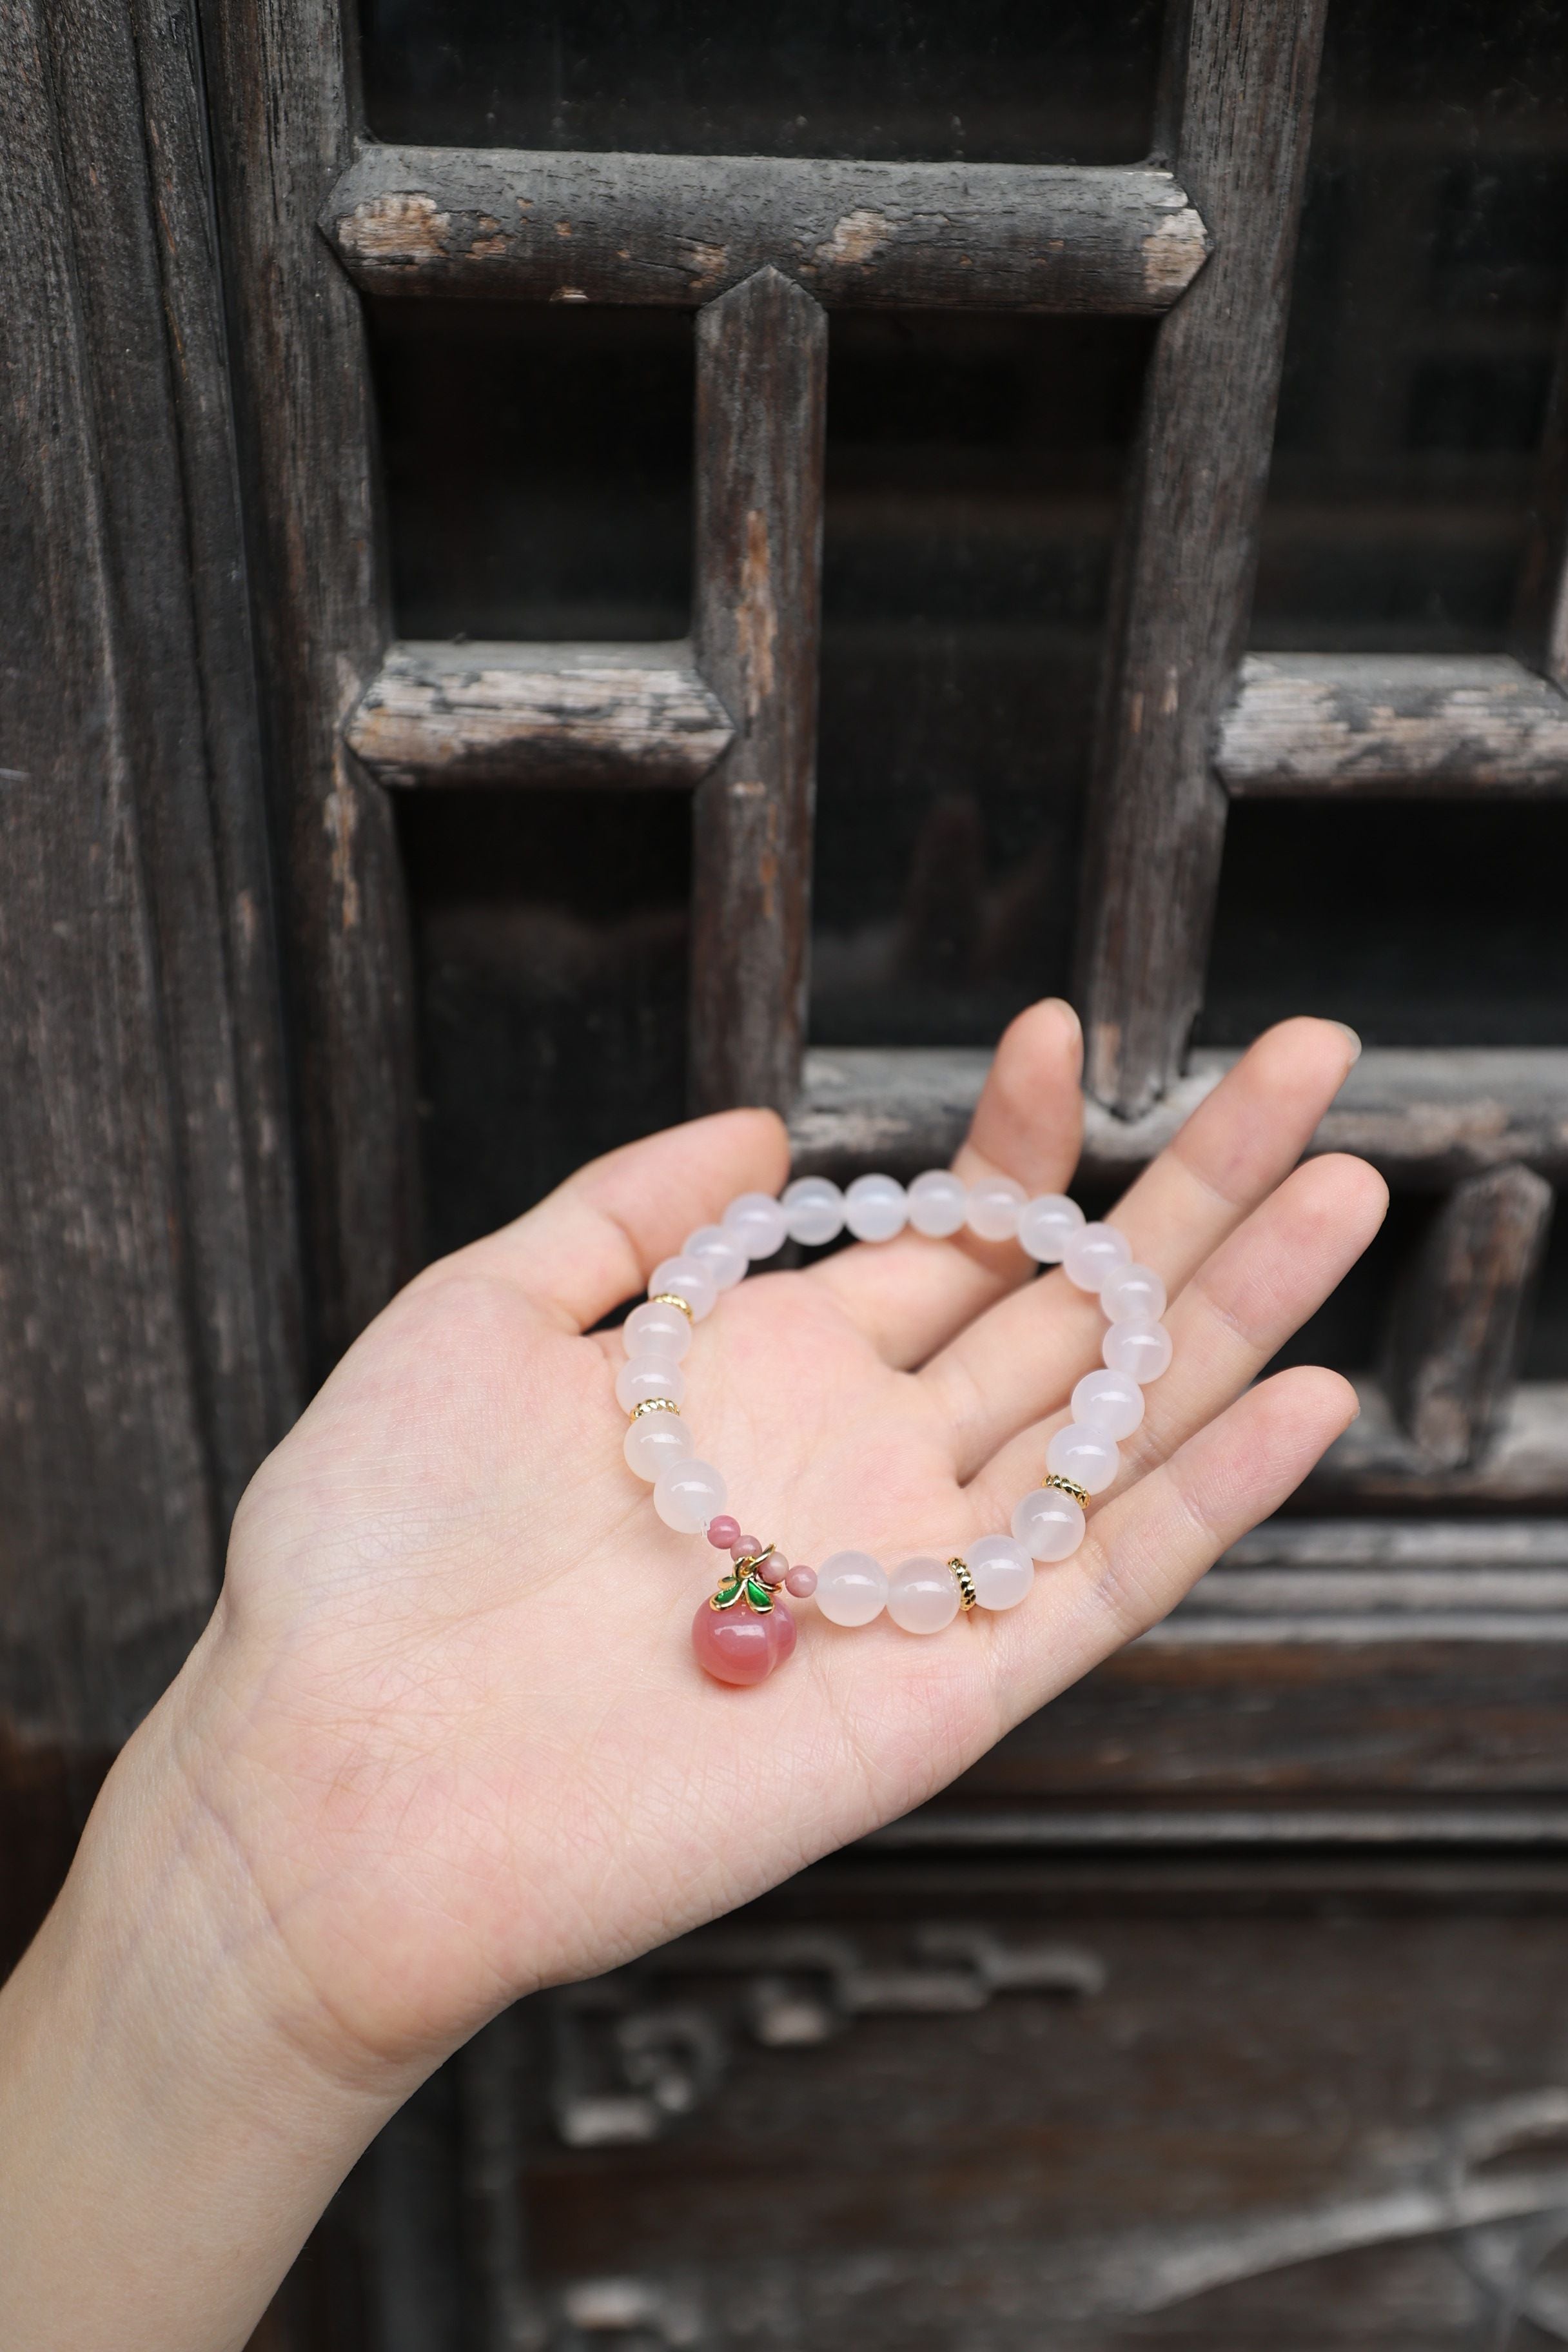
{"points": [[448, 1713]]}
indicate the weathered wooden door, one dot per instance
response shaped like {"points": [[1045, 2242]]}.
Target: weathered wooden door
{"points": [[633, 412]]}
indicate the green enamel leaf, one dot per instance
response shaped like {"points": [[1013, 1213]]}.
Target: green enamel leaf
{"points": [[728, 1594], [757, 1593]]}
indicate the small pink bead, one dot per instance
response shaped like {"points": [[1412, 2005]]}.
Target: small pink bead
{"points": [[801, 1582], [774, 1569], [722, 1531], [743, 1546]]}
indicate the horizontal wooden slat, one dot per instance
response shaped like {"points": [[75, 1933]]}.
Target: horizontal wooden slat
{"points": [[683, 228], [1425, 1116], [538, 714], [1430, 724], [1527, 1462]]}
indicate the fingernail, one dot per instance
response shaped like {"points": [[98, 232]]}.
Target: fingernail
{"points": [[1068, 1016], [1346, 1031]]}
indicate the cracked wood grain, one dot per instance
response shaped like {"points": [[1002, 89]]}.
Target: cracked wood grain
{"points": [[685, 228]]}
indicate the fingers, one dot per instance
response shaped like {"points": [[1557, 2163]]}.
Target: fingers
{"points": [[595, 1241], [1238, 1310], [908, 1295], [1020, 1360]]}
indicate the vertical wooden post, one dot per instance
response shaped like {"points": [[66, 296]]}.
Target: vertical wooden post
{"points": [[761, 377], [1459, 1320], [1187, 566]]}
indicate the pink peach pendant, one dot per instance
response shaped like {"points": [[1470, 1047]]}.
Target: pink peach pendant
{"points": [[743, 1631]]}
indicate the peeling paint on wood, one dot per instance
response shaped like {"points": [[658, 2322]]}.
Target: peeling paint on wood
{"points": [[1432, 724]]}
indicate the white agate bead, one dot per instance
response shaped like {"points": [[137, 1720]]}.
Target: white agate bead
{"points": [[643, 1377], [687, 1493], [1001, 1569], [1049, 1524], [719, 1253], [650, 1330], [939, 1201], [922, 1595], [688, 1278], [876, 1208], [1132, 1294], [812, 1210], [1093, 1253], [1111, 1401], [654, 1441], [1085, 1455], [994, 1207], [1141, 1349], [1047, 1225], [851, 1588], [757, 1222]]}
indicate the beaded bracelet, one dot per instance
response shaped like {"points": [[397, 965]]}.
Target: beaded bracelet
{"points": [[744, 1631]]}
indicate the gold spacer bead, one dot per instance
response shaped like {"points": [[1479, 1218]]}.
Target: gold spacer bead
{"points": [[965, 1582], [1069, 1486], [671, 1299], [656, 1404]]}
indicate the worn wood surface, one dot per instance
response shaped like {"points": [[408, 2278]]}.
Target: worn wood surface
{"points": [[545, 714], [683, 228], [1427, 1116], [1186, 570], [762, 371], [1524, 1466], [1426, 724], [1461, 1315], [280, 98]]}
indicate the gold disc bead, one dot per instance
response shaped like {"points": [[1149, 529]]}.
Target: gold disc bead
{"points": [[1068, 1487], [965, 1582], [656, 1404], [671, 1299]]}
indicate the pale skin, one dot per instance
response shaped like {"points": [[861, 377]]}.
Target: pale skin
{"points": [[443, 1740]]}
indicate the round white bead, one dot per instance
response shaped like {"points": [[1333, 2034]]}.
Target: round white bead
{"points": [[939, 1201], [1111, 1401], [688, 1278], [922, 1595], [1047, 1225], [851, 1588], [1141, 1349], [653, 1441], [757, 1223], [1132, 1294], [812, 1210], [650, 1330], [718, 1253], [1093, 1253], [1085, 1455], [687, 1493], [643, 1377], [876, 1208], [1049, 1524], [1001, 1569], [993, 1208]]}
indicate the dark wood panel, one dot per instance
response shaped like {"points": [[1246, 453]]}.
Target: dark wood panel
{"points": [[683, 228], [762, 404], [279, 86], [1188, 560], [1524, 1466], [1426, 724]]}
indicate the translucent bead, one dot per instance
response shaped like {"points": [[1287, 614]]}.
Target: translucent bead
{"points": [[690, 1279], [1047, 1225], [686, 1494], [1001, 1569], [876, 1208], [922, 1595], [993, 1208], [757, 1223], [1142, 1350], [1111, 1401], [939, 1201], [720, 1253], [851, 1588], [1093, 1253], [650, 1330], [812, 1210], [642, 1378], [1132, 1294], [1049, 1524], [654, 1442], [1085, 1455]]}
